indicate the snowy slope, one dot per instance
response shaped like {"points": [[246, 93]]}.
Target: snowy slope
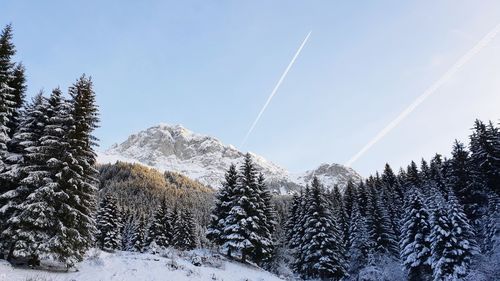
{"points": [[206, 159], [128, 266]]}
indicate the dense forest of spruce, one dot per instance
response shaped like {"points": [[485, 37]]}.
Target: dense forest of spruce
{"points": [[436, 221], [439, 220], [138, 198]]}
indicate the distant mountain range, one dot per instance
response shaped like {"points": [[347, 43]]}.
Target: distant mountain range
{"points": [[206, 159]]}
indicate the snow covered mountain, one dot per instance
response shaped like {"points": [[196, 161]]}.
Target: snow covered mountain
{"points": [[328, 174], [206, 159]]}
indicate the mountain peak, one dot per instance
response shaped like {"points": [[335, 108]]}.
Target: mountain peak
{"points": [[206, 159], [329, 175], [173, 130]]}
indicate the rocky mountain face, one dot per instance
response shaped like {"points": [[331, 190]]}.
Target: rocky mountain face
{"points": [[206, 159], [328, 174]]}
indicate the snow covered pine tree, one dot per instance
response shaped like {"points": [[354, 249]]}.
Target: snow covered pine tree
{"points": [[415, 239], [184, 236], [138, 238], [108, 235], [85, 114], [26, 141], [452, 241], [161, 231], [222, 207], [245, 229], [322, 245], [359, 241], [12, 89]]}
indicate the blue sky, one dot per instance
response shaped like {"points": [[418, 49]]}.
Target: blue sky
{"points": [[210, 65]]}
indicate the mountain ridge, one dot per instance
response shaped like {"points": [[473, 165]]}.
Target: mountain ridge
{"points": [[205, 158]]}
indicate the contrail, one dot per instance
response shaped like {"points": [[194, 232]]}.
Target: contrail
{"points": [[432, 89], [275, 89]]}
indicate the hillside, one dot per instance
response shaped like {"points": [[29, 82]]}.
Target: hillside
{"points": [[140, 190]]}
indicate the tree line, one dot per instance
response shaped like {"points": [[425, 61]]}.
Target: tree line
{"points": [[434, 219], [119, 230], [140, 192]]}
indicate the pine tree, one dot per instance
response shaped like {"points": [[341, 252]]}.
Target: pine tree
{"points": [[359, 241], [484, 168], [403, 179], [127, 231], [184, 236], [139, 239], [108, 224], [437, 175], [440, 237], [392, 196], [425, 171], [467, 184], [22, 174], [7, 109], [452, 242], [293, 217], [65, 240], [173, 218], [349, 199], [222, 207], [7, 51], [428, 186], [413, 177], [269, 210], [322, 246], [459, 171], [37, 221], [267, 215], [388, 177], [84, 115], [391, 182], [12, 88], [362, 198], [18, 86], [298, 230], [485, 154], [493, 173], [492, 227], [161, 231], [415, 239], [339, 213], [244, 224], [380, 229]]}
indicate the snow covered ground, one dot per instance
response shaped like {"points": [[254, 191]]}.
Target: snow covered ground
{"points": [[125, 266]]}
